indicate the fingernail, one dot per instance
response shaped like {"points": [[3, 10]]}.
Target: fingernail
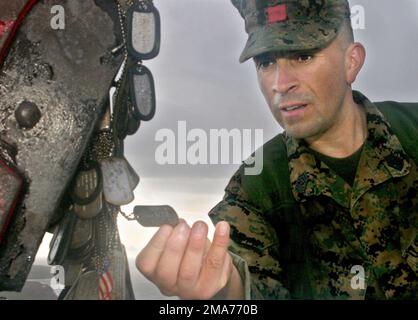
{"points": [[199, 229], [165, 230], [181, 231], [223, 228], [182, 226]]}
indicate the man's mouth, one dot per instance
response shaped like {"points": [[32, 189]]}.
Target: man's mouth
{"points": [[290, 108]]}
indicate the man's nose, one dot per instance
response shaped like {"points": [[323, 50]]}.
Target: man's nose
{"points": [[285, 78]]}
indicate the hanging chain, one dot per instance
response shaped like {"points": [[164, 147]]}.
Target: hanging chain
{"points": [[130, 217], [103, 148], [107, 236]]}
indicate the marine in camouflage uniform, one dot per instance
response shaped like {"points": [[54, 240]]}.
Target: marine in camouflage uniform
{"points": [[307, 247]]}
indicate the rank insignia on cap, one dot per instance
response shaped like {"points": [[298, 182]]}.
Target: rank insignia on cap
{"points": [[277, 13], [5, 26]]}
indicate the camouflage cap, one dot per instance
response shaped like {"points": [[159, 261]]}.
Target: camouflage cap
{"points": [[290, 25]]}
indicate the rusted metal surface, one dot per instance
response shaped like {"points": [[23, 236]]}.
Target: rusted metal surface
{"points": [[66, 74]]}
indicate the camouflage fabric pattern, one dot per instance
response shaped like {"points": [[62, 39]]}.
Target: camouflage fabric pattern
{"points": [[290, 25], [372, 224]]}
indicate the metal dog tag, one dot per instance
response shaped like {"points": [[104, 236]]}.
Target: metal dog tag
{"points": [[117, 181], [82, 240], [85, 287], [133, 122], [155, 216], [87, 193], [61, 240], [90, 210], [133, 176], [144, 30], [142, 92]]}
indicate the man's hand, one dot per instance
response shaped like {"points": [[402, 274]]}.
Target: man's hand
{"points": [[182, 262]]}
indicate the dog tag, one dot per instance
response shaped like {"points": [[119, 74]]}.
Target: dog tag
{"points": [[87, 193], [133, 122], [144, 30], [156, 216], [117, 181], [82, 240], [61, 240], [85, 287], [83, 233], [91, 209], [142, 92], [133, 176]]}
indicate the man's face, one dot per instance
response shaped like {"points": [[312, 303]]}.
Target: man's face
{"points": [[305, 90]]}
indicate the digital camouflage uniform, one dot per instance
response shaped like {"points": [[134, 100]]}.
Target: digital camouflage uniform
{"points": [[372, 224]]}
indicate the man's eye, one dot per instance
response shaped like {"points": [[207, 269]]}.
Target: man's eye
{"points": [[304, 58], [265, 63]]}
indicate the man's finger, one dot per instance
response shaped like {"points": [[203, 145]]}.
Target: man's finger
{"points": [[215, 258], [169, 263], [193, 257], [147, 259]]}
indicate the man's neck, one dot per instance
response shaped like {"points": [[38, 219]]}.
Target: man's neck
{"points": [[347, 136]]}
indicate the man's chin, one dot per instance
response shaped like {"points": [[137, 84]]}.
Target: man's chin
{"points": [[293, 130], [299, 133]]}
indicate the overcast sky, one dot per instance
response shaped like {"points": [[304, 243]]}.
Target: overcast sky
{"points": [[199, 80]]}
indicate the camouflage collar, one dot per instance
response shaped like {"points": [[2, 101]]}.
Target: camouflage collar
{"points": [[382, 158]]}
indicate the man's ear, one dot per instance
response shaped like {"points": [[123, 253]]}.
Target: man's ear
{"points": [[354, 60]]}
